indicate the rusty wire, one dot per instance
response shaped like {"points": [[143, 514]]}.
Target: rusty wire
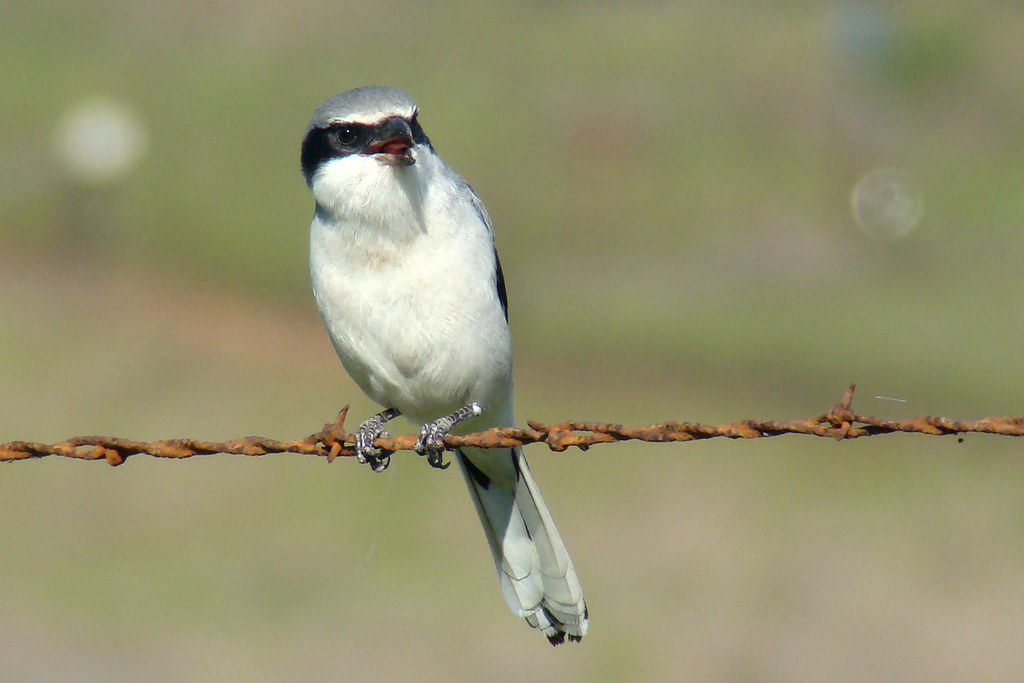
{"points": [[839, 422]]}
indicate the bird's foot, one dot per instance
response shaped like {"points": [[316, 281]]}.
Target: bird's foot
{"points": [[372, 428], [430, 441]]}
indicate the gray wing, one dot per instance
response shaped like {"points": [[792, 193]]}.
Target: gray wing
{"points": [[499, 277]]}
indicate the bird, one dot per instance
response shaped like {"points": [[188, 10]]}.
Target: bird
{"points": [[406, 276]]}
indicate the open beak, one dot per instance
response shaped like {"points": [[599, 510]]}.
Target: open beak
{"points": [[393, 145]]}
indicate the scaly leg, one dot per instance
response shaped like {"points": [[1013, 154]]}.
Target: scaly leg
{"points": [[370, 429], [430, 441]]}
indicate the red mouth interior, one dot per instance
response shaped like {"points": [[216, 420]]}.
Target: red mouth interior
{"points": [[399, 145]]}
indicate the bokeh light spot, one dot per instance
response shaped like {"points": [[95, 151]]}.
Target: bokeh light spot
{"points": [[887, 203], [98, 141]]}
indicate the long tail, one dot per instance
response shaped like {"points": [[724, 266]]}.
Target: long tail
{"points": [[537, 576]]}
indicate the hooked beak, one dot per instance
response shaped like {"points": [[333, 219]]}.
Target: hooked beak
{"points": [[393, 143]]}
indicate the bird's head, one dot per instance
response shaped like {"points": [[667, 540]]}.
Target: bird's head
{"points": [[368, 125]]}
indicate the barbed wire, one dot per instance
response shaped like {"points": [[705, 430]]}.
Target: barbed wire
{"points": [[332, 441]]}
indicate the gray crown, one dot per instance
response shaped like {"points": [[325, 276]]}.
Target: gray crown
{"points": [[368, 104]]}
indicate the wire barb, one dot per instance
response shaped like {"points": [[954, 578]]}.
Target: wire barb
{"points": [[332, 441]]}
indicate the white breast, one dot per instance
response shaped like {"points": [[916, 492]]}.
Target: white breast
{"points": [[403, 272]]}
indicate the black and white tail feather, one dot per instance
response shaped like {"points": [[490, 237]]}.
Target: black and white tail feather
{"points": [[536, 573]]}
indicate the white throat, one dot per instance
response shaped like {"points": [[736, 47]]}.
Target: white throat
{"points": [[372, 200]]}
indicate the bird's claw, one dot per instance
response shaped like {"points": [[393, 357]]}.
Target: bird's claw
{"points": [[372, 428], [430, 441], [379, 461]]}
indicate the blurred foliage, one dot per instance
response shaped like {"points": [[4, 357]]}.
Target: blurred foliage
{"points": [[670, 185]]}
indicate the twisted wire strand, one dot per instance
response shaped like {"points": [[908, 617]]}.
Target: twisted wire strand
{"points": [[332, 441]]}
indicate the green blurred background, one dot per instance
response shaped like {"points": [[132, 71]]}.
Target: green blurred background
{"points": [[671, 189]]}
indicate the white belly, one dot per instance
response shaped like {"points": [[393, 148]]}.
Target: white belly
{"points": [[416, 323]]}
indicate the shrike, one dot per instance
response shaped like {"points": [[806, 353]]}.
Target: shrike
{"points": [[407, 280]]}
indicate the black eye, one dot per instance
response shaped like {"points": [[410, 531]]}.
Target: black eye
{"points": [[346, 134]]}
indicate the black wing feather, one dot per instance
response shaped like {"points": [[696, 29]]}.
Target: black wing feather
{"points": [[502, 296]]}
